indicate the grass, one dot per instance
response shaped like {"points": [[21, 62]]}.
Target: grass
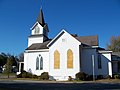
{"points": [[109, 80], [97, 81], [4, 74], [13, 77]]}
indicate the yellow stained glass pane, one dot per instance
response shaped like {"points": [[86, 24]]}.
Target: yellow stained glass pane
{"points": [[69, 59], [56, 59]]}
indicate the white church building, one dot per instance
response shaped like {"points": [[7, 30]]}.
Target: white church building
{"points": [[64, 55]]}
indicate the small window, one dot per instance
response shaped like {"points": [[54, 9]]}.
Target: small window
{"points": [[99, 62], [36, 30], [63, 40]]}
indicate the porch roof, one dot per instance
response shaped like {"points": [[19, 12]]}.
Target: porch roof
{"points": [[116, 56]]}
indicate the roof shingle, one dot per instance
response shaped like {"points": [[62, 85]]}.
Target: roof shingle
{"points": [[38, 46], [89, 40]]}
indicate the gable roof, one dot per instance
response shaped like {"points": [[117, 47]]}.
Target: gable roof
{"points": [[38, 46], [59, 35], [89, 40]]}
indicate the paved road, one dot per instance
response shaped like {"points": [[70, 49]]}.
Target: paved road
{"points": [[26, 85]]}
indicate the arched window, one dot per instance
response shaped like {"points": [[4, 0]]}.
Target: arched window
{"points": [[36, 30], [69, 58], [37, 63], [41, 63], [56, 59]]}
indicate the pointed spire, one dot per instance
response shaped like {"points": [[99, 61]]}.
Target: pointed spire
{"points": [[40, 18]]}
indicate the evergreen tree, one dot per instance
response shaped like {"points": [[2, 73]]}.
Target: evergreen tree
{"points": [[8, 66]]}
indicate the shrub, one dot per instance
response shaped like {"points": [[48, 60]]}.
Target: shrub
{"points": [[44, 76], [28, 75], [116, 76], [39, 77], [108, 77], [69, 78], [89, 77], [24, 74], [35, 76], [80, 76], [100, 77]]}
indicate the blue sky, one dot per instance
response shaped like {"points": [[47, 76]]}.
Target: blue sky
{"points": [[82, 17]]}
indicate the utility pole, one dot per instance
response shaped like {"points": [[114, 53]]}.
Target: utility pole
{"points": [[93, 64]]}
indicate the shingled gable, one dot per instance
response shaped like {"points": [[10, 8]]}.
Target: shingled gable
{"points": [[88, 40], [38, 46]]}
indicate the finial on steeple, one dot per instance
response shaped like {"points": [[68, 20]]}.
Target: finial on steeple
{"points": [[40, 18], [41, 7], [41, 4]]}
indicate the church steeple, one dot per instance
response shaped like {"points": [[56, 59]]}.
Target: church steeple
{"points": [[40, 30], [40, 18]]}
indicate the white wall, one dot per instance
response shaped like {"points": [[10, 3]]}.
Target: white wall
{"points": [[32, 40], [30, 62], [69, 43]]}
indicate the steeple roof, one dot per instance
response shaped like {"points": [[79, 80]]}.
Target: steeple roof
{"points": [[40, 18]]}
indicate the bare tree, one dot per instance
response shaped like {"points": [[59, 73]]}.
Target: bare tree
{"points": [[21, 57], [114, 44]]}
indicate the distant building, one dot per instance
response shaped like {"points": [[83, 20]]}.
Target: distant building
{"points": [[64, 55]]}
